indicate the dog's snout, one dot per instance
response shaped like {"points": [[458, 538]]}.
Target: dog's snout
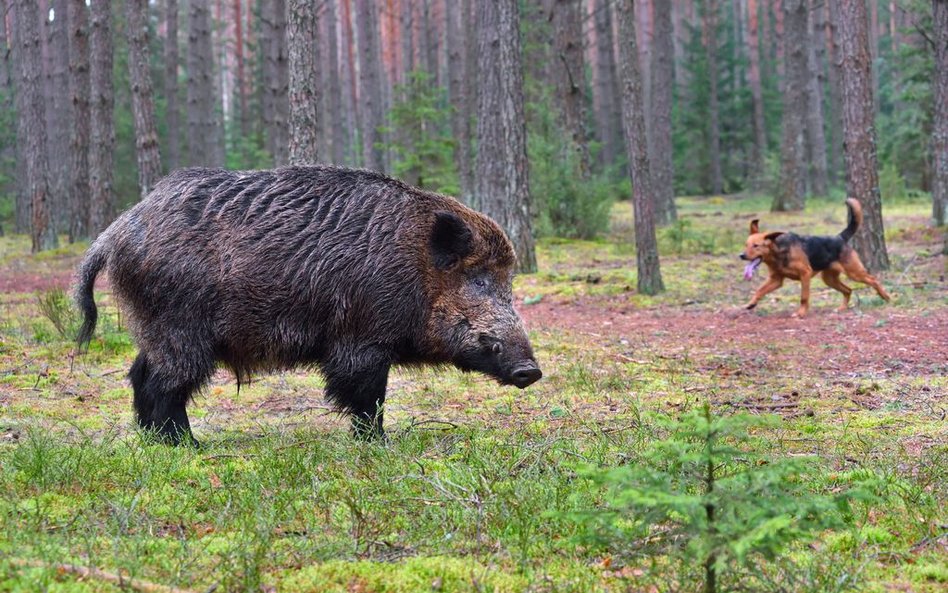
{"points": [[743, 256]]}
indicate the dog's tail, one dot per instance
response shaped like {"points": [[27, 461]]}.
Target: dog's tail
{"points": [[92, 264], [855, 219]]}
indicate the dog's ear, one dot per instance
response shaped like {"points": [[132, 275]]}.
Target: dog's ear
{"points": [[754, 227], [772, 236]]}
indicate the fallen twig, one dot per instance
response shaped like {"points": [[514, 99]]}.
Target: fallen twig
{"points": [[100, 575]]}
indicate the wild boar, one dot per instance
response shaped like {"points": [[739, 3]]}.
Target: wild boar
{"points": [[346, 271]]}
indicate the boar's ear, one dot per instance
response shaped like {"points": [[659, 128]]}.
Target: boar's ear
{"points": [[754, 228], [451, 240]]}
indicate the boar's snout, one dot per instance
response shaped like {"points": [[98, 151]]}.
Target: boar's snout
{"points": [[526, 374]]}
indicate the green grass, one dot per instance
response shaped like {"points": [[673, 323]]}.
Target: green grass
{"points": [[474, 488]]}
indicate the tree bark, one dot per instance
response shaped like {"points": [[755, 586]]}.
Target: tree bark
{"points": [[633, 119], [834, 77], [276, 79], [350, 83], [461, 84], [370, 83], [31, 122], [143, 103], [202, 122], [501, 172], [940, 123], [336, 118], [862, 173], [757, 96], [606, 97], [714, 124], [815, 125], [570, 77], [78, 16], [660, 138], [791, 192], [102, 125], [302, 35], [58, 114], [172, 110]]}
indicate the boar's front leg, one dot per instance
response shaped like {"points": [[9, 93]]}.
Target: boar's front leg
{"points": [[161, 400], [356, 381]]}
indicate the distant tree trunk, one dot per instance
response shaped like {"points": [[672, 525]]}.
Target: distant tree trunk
{"points": [[143, 104], [101, 124], [816, 137], [757, 95], [791, 193], [276, 78], [336, 119], [350, 83], [79, 91], [940, 123], [714, 123], [501, 172], [202, 121], [241, 82], [862, 174], [569, 77], [302, 35], [660, 138], [370, 82], [31, 122], [460, 80], [172, 110], [606, 96], [633, 120], [834, 77], [408, 45], [58, 115]]}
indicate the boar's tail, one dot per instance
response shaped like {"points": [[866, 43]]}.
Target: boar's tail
{"points": [[90, 267]]}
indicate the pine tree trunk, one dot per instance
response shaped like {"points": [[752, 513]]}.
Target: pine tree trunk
{"points": [[408, 38], [570, 77], [862, 173], [172, 110], [241, 82], [633, 121], [143, 104], [31, 122], [834, 77], [501, 172], [791, 192], [660, 139], [940, 123], [757, 95], [606, 96], [58, 115], [460, 80], [816, 137], [202, 120], [370, 84], [302, 35], [276, 79], [336, 118], [711, 48], [79, 91], [101, 126], [350, 83]]}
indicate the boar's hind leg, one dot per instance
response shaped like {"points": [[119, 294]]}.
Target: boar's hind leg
{"points": [[359, 389], [160, 403]]}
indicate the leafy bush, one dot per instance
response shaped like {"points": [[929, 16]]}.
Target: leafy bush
{"points": [[705, 499]]}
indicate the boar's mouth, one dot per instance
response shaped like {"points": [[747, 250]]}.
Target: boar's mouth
{"points": [[493, 359]]}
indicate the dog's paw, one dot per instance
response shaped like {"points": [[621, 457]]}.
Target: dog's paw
{"points": [[750, 306]]}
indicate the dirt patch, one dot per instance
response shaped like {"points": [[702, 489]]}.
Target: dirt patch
{"points": [[856, 342]]}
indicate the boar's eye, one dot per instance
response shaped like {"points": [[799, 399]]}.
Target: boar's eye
{"points": [[479, 282]]}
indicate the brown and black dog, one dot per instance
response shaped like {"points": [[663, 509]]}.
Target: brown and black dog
{"points": [[802, 257]]}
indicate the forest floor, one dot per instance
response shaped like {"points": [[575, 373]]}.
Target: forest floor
{"points": [[478, 486]]}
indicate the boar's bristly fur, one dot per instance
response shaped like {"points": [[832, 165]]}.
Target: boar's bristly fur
{"points": [[344, 270]]}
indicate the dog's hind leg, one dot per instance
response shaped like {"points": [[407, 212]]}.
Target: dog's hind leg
{"points": [[831, 278], [857, 272]]}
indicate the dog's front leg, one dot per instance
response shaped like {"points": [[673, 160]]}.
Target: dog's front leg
{"points": [[771, 284]]}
